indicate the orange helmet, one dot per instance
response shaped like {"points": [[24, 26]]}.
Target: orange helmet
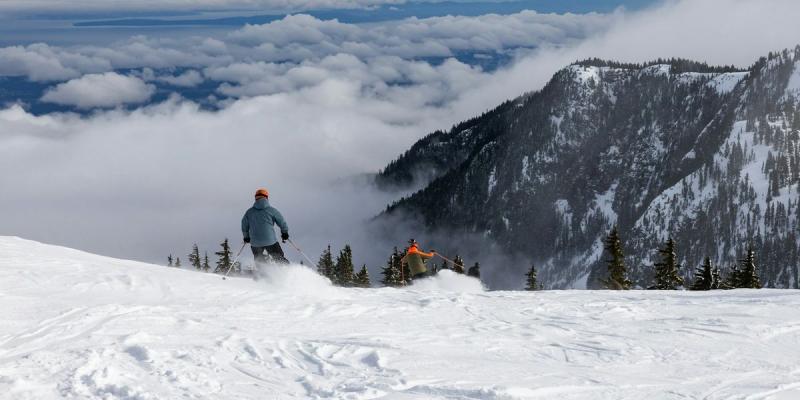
{"points": [[262, 193]]}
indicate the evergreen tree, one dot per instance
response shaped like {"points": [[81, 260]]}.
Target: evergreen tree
{"points": [[225, 259], [434, 269], [458, 265], [704, 277], [667, 276], [177, 262], [475, 271], [748, 273], [169, 260], [716, 279], [325, 266], [391, 273], [530, 281], [344, 267], [617, 272], [194, 258], [733, 280], [206, 266], [362, 278]]}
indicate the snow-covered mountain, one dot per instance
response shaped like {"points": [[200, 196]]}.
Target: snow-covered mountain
{"points": [[707, 155], [76, 325]]}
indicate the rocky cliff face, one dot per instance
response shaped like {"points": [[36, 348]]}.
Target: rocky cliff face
{"points": [[675, 148]]}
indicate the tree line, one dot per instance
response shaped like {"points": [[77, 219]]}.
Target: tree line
{"points": [[666, 273], [340, 270], [224, 261]]}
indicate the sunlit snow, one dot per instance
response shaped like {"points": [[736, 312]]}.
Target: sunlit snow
{"points": [[76, 325]]}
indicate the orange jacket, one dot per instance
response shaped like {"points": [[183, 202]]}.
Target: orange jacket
{"points": [[415, 250], [415, 258]]}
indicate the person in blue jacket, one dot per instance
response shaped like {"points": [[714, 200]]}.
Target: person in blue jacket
{"points": [[258, 230]]}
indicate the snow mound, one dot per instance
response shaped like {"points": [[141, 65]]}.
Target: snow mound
{"points": [[296, 279], [449, 281]]}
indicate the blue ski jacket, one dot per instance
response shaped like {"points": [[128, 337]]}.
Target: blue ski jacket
{"points": [[258, 223]]}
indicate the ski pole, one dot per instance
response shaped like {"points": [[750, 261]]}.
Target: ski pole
{"points": [[448, 260], [310, 263], [235, 260]]}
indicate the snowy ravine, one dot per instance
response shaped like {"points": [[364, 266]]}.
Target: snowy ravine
{"points": [[76, 325]]}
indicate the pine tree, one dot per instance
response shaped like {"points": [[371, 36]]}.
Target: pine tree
{"points": [[530, 281], [667, 276], [475, 271], [704, 277], [716, 279], [194, 258], [458, 265], [169, 260], [391, 272], [344, 267], [748, 274], [434, 269], [617, 272], [224, 261], [733, 280], [206, 266], [325, 266], [177, 262], [362, 278]]}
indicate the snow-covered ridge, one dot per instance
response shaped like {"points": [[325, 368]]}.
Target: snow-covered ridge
{"points": [[76, 325]]}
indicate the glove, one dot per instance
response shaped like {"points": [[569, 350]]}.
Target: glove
{"points": [[284, 236], [247, 240]]}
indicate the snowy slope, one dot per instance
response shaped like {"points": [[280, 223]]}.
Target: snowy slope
{"points": [[76, 325]]}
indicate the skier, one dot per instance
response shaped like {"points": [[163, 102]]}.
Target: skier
{"points": [[258, 230], [415, 258]]}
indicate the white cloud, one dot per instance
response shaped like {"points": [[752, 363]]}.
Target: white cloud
{"points": [[297, 36], [100, 90], [303, 39], [189, 78], [41, 62]]}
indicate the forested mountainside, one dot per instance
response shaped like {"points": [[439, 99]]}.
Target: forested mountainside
{"points": [[707, 155]]}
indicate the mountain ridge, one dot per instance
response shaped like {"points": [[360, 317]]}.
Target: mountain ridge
{"points": [[546, 175]]}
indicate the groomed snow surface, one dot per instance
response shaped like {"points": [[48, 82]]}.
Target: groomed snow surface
{"points": [[76, 325]]}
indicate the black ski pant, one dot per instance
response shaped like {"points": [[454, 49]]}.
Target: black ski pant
{"points": [[269, 254]]}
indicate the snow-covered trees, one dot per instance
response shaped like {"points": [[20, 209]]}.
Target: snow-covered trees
{"points": [[458, 264], [392, 272], [667, 276], [344, 267], [325, 266], [748, 272], [225, 258], [617, 272], [530, 279], [194, 257], [362, 278], [704, 277], [206, 266]]}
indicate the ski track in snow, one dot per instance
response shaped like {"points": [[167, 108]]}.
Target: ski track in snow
{"points": [[76, 325]]}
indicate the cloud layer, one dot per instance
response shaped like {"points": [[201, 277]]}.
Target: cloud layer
{"points": [[102, 90], [148, 182]]}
